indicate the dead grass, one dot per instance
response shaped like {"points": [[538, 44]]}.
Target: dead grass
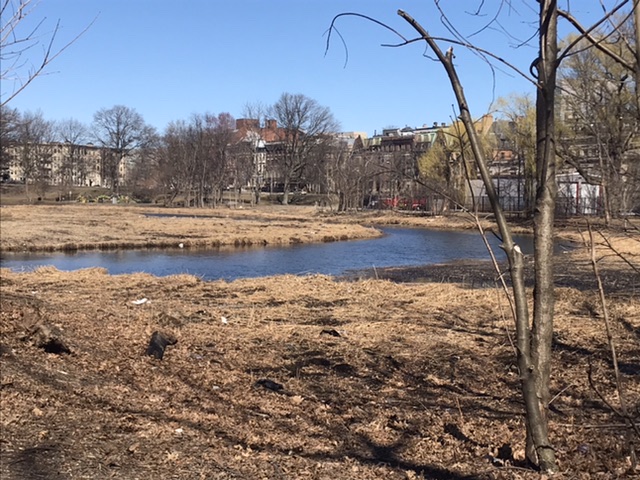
{"points": [[380, 379], [420, 383], [83, 227]]}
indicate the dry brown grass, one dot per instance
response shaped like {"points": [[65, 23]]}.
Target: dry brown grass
{"points": [[421, 382], [81, 227]]}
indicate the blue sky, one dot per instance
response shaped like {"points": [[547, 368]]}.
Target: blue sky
{"points": [[169, 59]]}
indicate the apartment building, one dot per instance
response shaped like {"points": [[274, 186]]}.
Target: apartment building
{"points": [[60, 164]]}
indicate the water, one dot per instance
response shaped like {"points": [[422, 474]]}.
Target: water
{"points": [[399, 247]]}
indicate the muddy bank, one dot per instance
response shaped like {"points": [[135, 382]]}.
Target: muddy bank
{"points": [[570, 271]]}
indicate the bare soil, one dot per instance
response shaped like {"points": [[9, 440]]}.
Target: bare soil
{"points": [[379, 379]]}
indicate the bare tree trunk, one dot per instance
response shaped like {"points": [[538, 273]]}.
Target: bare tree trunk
{"points": [[529, 357], [544, 216], [285, 193], [604, 188], [636, 21]]}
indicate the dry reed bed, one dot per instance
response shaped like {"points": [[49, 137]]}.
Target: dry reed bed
{"points": [[421, 382], [82, 227]]}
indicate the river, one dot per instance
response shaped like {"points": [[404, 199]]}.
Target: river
{"points": [[398, 247]]}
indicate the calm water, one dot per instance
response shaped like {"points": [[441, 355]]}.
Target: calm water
{"points": [[399, 247]]}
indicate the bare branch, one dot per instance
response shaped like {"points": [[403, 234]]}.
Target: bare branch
{"points": [[10, 38], [332, 28], [587, 34], [472, 48], [405, 41], [623, 411]]}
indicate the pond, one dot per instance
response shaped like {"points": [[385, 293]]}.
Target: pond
{"points": [[398, 247]]}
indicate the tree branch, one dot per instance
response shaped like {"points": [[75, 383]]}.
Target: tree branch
{"points": [[586, 34], [8, 38]]}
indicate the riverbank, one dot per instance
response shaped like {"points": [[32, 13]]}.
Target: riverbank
{"points": [[72, 227], [87, 227]]}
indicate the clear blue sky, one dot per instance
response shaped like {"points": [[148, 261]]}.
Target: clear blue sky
{"points": [[169, 59]]}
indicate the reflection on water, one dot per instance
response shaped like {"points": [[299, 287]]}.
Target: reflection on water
{"points": [[399, 247]]}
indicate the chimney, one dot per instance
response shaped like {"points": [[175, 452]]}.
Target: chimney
{"points": [[247, 124], [272, 124]]}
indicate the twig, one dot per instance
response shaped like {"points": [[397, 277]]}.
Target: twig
{"points": [[617, 253], [560, 393], [604, 425], [624, 412], [600, 395], [460, 411]]}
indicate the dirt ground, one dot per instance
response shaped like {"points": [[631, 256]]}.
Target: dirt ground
{"points": [[404, 375]]}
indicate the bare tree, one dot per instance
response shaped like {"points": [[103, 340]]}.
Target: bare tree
{"points": [[519, 111], [9, 120], [344, 174], [601, 122], [19, 37], [195, 159], [72, 168], [144, 179], [175, 165], [534, 339], [243, 167], [250, 149], [216, 134], [120, 130], [34, 152], [307, 126]]}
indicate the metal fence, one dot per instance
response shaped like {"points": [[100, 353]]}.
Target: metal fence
{"points": [[566, 206]]}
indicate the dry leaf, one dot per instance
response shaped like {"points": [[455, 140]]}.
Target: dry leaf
{"points": [[297, 399]]}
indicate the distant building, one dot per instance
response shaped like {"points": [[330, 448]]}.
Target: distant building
{"points": [[60, 164]]}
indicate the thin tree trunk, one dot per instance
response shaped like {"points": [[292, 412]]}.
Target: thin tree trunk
{"points": [[536, 421], [544, 295], [636, 21], [285, 193]]}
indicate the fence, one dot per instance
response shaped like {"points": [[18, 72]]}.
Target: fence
{"points": [[566, 206]]}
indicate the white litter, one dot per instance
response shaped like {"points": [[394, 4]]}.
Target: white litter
{"points": [[181, 245], [224, 320], [140, 302]]}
